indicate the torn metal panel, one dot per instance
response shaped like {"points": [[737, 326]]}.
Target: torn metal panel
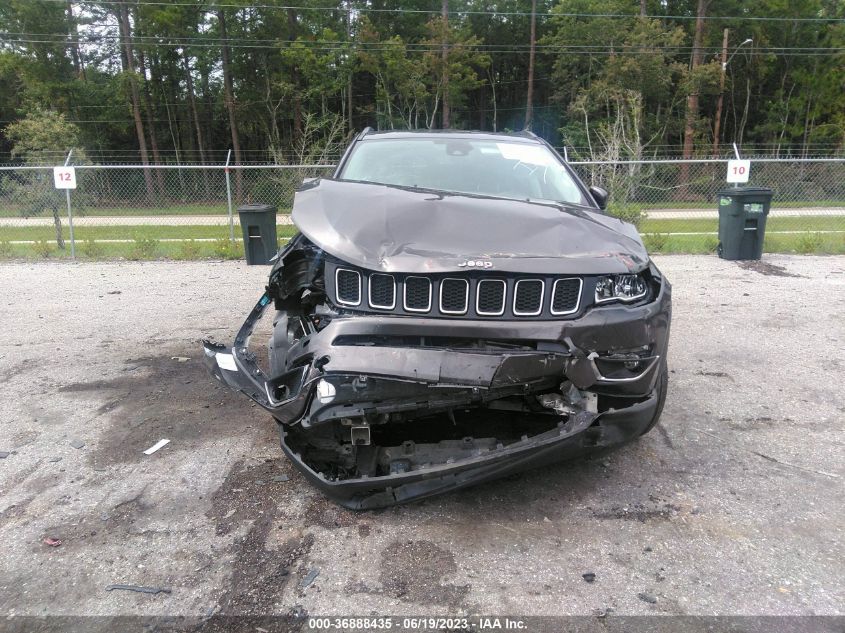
{"points": [[420, 343]]}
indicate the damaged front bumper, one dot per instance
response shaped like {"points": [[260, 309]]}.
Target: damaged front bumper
{"points": [[374, 421]]}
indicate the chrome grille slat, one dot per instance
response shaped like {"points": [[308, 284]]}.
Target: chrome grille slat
{"points": [[528, 297], [417, 294], [381, 289], [490, 297], [566, 296], [470, 294], [348, 286], [454, 295]]}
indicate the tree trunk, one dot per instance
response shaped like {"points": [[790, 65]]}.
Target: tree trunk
{"points": [[151, 126], [643, 8], [125, 30], [495, 104], [57, 224], [717, 124], [444, 11], [229, 99], [192, 100], [76, 56], [529, 100], [692, 99], [297, 98], [350, 35]]}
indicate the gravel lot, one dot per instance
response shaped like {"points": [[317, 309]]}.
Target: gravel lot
{"points": [[733, 505]]}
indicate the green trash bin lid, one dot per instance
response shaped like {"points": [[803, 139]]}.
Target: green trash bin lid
{"points": [[257, 208], [745, 191]]}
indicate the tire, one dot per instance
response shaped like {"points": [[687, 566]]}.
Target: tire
{"points": [[662, 387]]}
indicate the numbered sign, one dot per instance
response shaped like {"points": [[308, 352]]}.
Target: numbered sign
{"points": [[64, 177], [738, 170]]}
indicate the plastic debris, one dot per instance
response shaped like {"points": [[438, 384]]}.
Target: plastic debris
{"points": [[52, 542], [77, 443], [647, 597], [152, 449], [139, 589], [281, 478], [310, 577], [180, 359], [589, 577], [4, 454]]}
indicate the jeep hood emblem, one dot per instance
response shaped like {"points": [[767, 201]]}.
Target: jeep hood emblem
{"points": [[475, 263]]}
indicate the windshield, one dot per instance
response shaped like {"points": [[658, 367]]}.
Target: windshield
{"points": [[506, 169]]}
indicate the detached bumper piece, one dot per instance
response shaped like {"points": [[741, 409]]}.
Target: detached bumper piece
{"points": [[377, 410]]}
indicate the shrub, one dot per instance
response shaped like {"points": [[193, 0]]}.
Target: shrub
{"points": [[144, 248], [655, 242], [226, 249], [42, 248], [626, 213], [809, 243], [711, 243], [188, 250], [92, 249]]}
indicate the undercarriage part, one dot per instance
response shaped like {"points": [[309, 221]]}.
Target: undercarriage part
{"points": [[347, 449]]}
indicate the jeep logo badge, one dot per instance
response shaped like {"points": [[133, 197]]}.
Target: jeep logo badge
{"points": [[475, 263]]}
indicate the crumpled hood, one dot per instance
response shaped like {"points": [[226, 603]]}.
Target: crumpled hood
{"points": [[391, 229]]}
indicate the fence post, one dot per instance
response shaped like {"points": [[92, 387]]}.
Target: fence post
{"points": [[229, 198], [70, 214]]}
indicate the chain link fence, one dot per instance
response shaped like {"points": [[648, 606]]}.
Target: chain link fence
{"points": [[191, 211]]}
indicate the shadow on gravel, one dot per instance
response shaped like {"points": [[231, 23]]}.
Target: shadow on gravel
{"points": [[159, 397]]}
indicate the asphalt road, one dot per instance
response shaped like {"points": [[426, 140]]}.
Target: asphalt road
{"points": [[732, 505]]}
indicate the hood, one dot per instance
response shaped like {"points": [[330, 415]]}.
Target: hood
{"points": [[393, 229]]}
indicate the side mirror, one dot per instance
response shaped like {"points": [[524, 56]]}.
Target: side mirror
{"points": [[600, 195]]}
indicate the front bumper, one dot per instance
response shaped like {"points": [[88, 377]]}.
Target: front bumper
{"points": [[377, 380]]}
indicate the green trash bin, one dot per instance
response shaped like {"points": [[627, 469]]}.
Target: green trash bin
{"points": [[742, 221], [258, 224]]}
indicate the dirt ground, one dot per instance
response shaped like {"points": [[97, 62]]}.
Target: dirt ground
{"points": [[732, 505]]}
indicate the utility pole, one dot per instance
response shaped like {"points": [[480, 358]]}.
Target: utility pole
{"points": [[718, 123], [529, 100], [444, 12], [725, 61]]}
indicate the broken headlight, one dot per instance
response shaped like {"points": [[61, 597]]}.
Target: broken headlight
{"points": [[620, 288]]}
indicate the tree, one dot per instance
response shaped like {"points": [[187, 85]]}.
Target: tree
{"points": [[36, 140], [229, 98]]}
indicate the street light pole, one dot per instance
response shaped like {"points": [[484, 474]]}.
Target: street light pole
{"points": [[725, 61]]}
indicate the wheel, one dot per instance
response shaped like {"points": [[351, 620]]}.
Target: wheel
{"points": [[662, 388]]}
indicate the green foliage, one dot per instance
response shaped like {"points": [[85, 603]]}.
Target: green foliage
{"points": [[188, 250], [226, 249], [626, 212], [655, 242], [144, 248], [608, 83], [5, 249], [809, 243], [42, 135], [711, 244], [42, 248], [92, 249]]}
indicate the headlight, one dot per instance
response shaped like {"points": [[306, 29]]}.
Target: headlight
{"points": [[620, 288]]}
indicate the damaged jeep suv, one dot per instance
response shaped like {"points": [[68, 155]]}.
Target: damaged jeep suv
{"points": [[455, 307]]}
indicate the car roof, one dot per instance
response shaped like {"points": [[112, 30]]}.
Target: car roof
{"points": [[525, 137]]}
